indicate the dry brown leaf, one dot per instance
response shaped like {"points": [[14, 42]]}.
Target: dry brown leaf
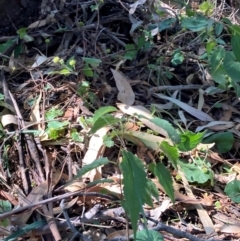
{"points": [[126, 94], [230, 228], [75, 186], [95, 151], [34, 196], [120, 233], [143, 112], [203, 214]]}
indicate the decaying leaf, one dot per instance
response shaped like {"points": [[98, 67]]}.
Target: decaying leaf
{"points": [[126, 94]]}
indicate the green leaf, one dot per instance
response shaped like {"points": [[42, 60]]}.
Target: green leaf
{"points": [[108, 141], [21, 32], [232, 66], [211, 44], [58, 124], [152, 189], [102, 111], [199, 171], [106, 120], [75, 135], [235, 42], [235, 29], [190, 140], [195, 23], [149, 235], [223, 140], [171, 152], [53, 113], [135, 187], [97, 163], [1, 95], [87, 70], [218, 28], [232, 190], [166, 23], [206, 7], [172, 133], [21, 231], [217, 70], [92, 61], [131, 52], [6, 45], [83, 88], [164, 178], [178, 58], [5, 206], [65, 72]]}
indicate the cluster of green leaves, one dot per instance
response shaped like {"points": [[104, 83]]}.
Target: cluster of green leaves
{"points": [[137, 186], [224, 65]]}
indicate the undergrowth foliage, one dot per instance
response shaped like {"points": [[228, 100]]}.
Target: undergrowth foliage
{"points": [[165, 138]]}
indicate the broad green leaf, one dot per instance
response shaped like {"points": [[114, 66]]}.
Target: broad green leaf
{"points": [[217, 70], [108, 141], [65, 72], [178, 58], [223, 140], [235, 29], [152, 189], [171, 152], [131, 51], [97, 163], [57, 124], [190, 140], [21, 231], [22, 32], [164, 178], [171, 131], [53, 113], [149, 235], [83, 88], [135, 188], [92, 61], [232, 190], [87, 70], [195, 23], [76, 136], [235, 42], [102, 111], [211, 44], [206, 7], [106, 120], [232, 66], [218, 28], [165, 24], [6, 45], [28, 38], [199, 171]]}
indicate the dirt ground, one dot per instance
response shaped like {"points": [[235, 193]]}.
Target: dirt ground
{"points": [[15, 14]]}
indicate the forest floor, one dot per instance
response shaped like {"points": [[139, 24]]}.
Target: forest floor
{"points": [[119, 117]]}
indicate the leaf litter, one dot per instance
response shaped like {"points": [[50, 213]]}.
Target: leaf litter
{"points": [[165, 158]]}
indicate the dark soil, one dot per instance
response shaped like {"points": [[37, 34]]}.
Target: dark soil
{"points": [[15, 14]]}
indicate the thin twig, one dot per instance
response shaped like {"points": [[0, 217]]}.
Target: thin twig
{"points": [[172, 88], [55, 199], [70, 225], [163, 227]]}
